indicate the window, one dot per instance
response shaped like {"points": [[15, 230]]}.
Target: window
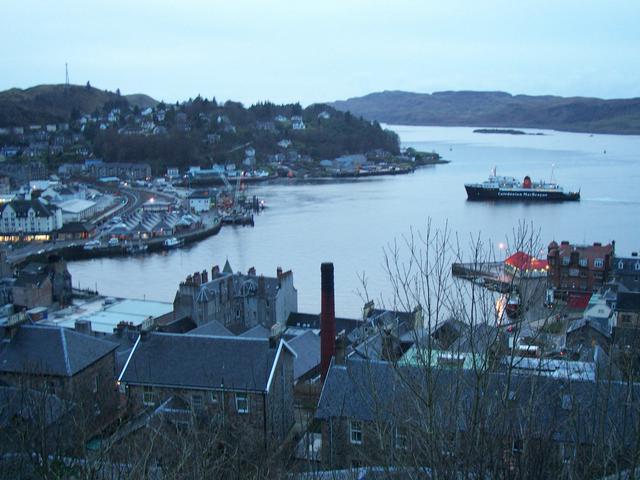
{"points": [[214, 398], [400, 440], [637, 266], [567, 452], [566, 402], [196, 401], [584, 262], [242, 403], [355, 432], [95, 384], [565, 261], [598, 263], [517, 446], [148, 397]]}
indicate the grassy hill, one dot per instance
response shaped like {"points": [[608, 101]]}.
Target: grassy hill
{"points": [[56, 103], [498, 109]]}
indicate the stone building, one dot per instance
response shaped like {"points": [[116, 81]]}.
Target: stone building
{"points": [[245, 383], [75, 367], [578, 269], [236, 300]]}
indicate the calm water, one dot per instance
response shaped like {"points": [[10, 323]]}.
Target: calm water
{"points": [[349, 223]]}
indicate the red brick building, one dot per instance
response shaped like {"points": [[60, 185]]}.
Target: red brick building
{"points": [[578, 269]]}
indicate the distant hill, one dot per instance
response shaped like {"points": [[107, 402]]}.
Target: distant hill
{"points": [[498, 109], [57, 103]]}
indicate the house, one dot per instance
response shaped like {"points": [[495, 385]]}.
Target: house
{"points": [[131, 171], [75, 367], [626, 271], [297, 123], [200, 202], [236, 300], [246, 383], [29, 217], [378, 413], [39, 284], [578, 269]]}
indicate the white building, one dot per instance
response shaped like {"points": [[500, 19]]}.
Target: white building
{"points": [[29, 216], [77, 210], [199, 202]]}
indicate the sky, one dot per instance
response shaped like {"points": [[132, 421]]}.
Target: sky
{"points": [[306, 51]]}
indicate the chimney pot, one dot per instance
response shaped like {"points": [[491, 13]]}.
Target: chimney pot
{"points": [[197, 279], [215, 271], [252, 271], [205, 276]]}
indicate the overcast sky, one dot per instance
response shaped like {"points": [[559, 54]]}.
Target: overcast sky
{"points": [[308, 51]]}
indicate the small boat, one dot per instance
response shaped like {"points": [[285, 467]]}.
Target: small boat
{"points": [[92, 244], [173, 242]]}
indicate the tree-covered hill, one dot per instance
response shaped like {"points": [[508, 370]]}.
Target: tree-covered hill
{"points": [[498, 109], [60, 103]]}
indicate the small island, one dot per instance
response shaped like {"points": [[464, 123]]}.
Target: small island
{"points": [[504, 131]]}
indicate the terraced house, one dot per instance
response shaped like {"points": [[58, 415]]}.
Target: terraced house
{"points": [[244, 385]]}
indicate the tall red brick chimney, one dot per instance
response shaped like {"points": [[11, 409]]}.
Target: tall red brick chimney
{"points": [[327, 320]]}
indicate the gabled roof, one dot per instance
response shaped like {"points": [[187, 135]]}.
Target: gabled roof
{"points": [[201, 362], [374, 390], [48, 350], [22, 207], [213, 327], [307, 348], [258, 331]]}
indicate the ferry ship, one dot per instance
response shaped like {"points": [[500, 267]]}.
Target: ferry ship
{"points": [[509, 188]]}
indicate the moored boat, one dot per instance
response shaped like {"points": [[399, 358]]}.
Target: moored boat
{"points": [[173, 242]]}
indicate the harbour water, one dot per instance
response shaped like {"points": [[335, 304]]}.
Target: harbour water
{"points": [[349, 222]]}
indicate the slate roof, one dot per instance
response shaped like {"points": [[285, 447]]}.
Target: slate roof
{"points": [[312, 321], [628, 302], [49, 350], [307, 348], [213, 327], [200, 362], [21, 207], [258, 331], [559, 409]]}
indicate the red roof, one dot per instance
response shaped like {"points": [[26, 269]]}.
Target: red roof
{"points": [[523, 261], [578, 301]]}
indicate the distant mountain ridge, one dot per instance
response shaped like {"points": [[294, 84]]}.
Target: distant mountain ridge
{"points": [[498, 109], [56, 103]]}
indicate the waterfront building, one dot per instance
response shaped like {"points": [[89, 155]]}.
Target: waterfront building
{"points": [[28, 220], [122, 170], [236, 300], [626, 272], [578, 269]]}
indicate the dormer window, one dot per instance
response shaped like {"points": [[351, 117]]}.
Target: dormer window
{"points": [[637, 266], [620, 265]]}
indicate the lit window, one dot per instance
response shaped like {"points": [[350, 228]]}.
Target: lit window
{"points": [[148, 397], [355, 432], [242, 403]]}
